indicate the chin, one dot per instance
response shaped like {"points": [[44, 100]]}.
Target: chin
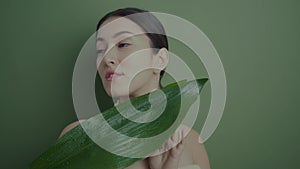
{"points": [[116, 93]]}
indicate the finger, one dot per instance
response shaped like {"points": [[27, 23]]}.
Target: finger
{"points": [[155, 161], [177, 150]]}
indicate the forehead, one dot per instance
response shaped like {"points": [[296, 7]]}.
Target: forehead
{"points": [[114, 25]]}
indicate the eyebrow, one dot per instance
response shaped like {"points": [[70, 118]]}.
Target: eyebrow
{"points": [[115, 35]]}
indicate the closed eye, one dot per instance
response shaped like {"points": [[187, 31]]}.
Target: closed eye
{"points": [[100, 51]]}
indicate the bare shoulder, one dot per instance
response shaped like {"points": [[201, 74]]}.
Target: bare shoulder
{"points": [[193, 136], [192, 142], [70, 127], [197, 149]]}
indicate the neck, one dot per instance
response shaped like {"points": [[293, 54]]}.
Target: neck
{"points": [[123, 99]]}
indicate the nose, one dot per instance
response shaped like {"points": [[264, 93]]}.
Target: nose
{"points": [[110, 57]]}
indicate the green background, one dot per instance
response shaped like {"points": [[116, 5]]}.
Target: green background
{"points": [[257, 40]]}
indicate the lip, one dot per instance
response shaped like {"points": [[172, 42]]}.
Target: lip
{"points": [[111, 74]]}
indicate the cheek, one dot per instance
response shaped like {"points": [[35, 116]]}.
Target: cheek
{"points": [[138, 62], [99, 60], [99, 70]]}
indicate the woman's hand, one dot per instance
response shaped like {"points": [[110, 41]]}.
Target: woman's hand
{"points": [[168, 155], [168, 159]]}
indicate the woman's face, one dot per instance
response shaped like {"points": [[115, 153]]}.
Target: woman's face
{"points": [[125, 62]]}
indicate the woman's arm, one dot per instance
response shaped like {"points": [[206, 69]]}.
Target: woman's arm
{"points": [[167, 160], [170, 158]]}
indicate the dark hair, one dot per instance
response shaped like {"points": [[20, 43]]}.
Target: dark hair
{"points": [[147, 21]]}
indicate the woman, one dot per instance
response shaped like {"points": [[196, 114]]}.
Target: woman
{"points": [[132, 55]]}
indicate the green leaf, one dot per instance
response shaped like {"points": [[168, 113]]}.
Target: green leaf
{"points": [[76, 150]]}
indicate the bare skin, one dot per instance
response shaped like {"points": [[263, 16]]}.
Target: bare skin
{"points": [[125, 54], [188, 152]]}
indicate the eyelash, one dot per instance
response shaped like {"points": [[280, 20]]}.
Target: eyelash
{"points": [[120, 45], [123, 45], [101, 51]]}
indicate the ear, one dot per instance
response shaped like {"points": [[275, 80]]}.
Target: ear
{"points": [[160, 60]]}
